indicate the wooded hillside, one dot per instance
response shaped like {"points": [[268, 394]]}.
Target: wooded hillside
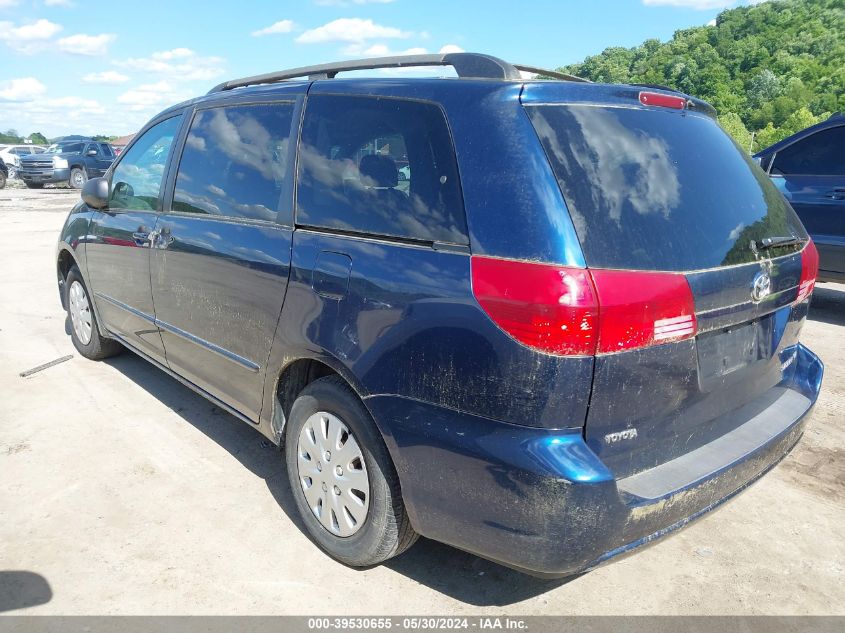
{"points": [[772, 69]]}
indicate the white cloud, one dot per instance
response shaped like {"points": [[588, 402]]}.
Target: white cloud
{"points": [[282, 26], [8, 3], [60, 105], [71, 115], [381, 50], [105, 77], [346, 3], [23, 89], [89, 45], [145, 96], [58, 3], [712, 22], [350, 30], [691, 4], [180, 63], [28, 38]]}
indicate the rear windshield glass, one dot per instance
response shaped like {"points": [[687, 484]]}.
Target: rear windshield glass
{"points": [[659, 190]]}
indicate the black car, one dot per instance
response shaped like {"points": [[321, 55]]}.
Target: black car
{"points": [[572, 328]]}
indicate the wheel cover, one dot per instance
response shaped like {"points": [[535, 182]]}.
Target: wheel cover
{"points": [[332, 474], [78, 178], [80, 312]]}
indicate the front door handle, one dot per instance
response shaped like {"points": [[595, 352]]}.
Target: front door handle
{"points": [[836, 194], [162, 239], [144, 238]]}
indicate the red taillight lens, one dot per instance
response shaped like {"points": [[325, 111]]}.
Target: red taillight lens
{"points": [[809, 271], [549, 308], [665, 101], [573, 311], [638, 309]]}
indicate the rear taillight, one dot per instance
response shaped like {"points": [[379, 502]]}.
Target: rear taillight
{"points": [[809, 271], [548, 308], [638, 309], [665, 101], [573, 311]]}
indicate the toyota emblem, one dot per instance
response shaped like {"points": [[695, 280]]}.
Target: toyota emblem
{"points": [[761, 287]]}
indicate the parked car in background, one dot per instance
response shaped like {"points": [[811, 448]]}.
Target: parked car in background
{"points": [[12, 154], [71, 162], [809, 169], [4, 173], [567, 336]]}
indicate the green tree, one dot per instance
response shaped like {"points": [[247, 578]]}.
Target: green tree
{"points": [[734, 126], [769, 64], [38, 138], [10, 136]]}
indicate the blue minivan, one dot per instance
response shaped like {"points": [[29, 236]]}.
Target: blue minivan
{"points": [[543, 321], [809, 169]]}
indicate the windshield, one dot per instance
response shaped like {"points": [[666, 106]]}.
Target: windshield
{"points": [[652, 189], [59, 148]]}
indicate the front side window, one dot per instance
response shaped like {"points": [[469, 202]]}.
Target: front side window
{"points": [[235, 162], [136, 181], [820, 154], [379, 166]]}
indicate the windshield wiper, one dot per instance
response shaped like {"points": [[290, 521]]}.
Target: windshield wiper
{"points": [[773, 242]]}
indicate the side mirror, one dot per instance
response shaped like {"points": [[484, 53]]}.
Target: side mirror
{"points": [[91, 152], [95, 193]]}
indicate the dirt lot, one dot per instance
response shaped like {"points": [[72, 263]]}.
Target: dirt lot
{"points": [[123, 492]]}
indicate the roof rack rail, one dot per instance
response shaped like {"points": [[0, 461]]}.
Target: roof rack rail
{"points": [[475, 65], [465, 64], [554, 74]]}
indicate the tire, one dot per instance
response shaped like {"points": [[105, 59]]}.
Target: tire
{"points": [[77, 178], [34, 185], [384, 530], [87, 340], [2, 180]]}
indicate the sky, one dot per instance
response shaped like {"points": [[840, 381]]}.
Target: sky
{"points": [[106, 67]]}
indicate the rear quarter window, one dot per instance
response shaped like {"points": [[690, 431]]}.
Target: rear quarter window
{"points": [[379, 167], [652, 189]]}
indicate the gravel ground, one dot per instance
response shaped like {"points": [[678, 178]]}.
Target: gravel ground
{"points": [[122, 492]]}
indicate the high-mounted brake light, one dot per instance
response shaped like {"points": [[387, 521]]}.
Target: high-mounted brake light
{"points": [[666, 101], [573, 311], [809, 271]]}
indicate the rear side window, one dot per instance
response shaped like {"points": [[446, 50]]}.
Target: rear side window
{"points": [[821, 154], [235, 162], [379, 166], [649, 189]]}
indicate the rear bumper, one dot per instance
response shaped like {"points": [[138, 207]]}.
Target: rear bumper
{"points": [[541, 501]]}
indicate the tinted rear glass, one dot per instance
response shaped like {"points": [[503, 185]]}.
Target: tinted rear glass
{"points": [[379, 167], [659, 190]]}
